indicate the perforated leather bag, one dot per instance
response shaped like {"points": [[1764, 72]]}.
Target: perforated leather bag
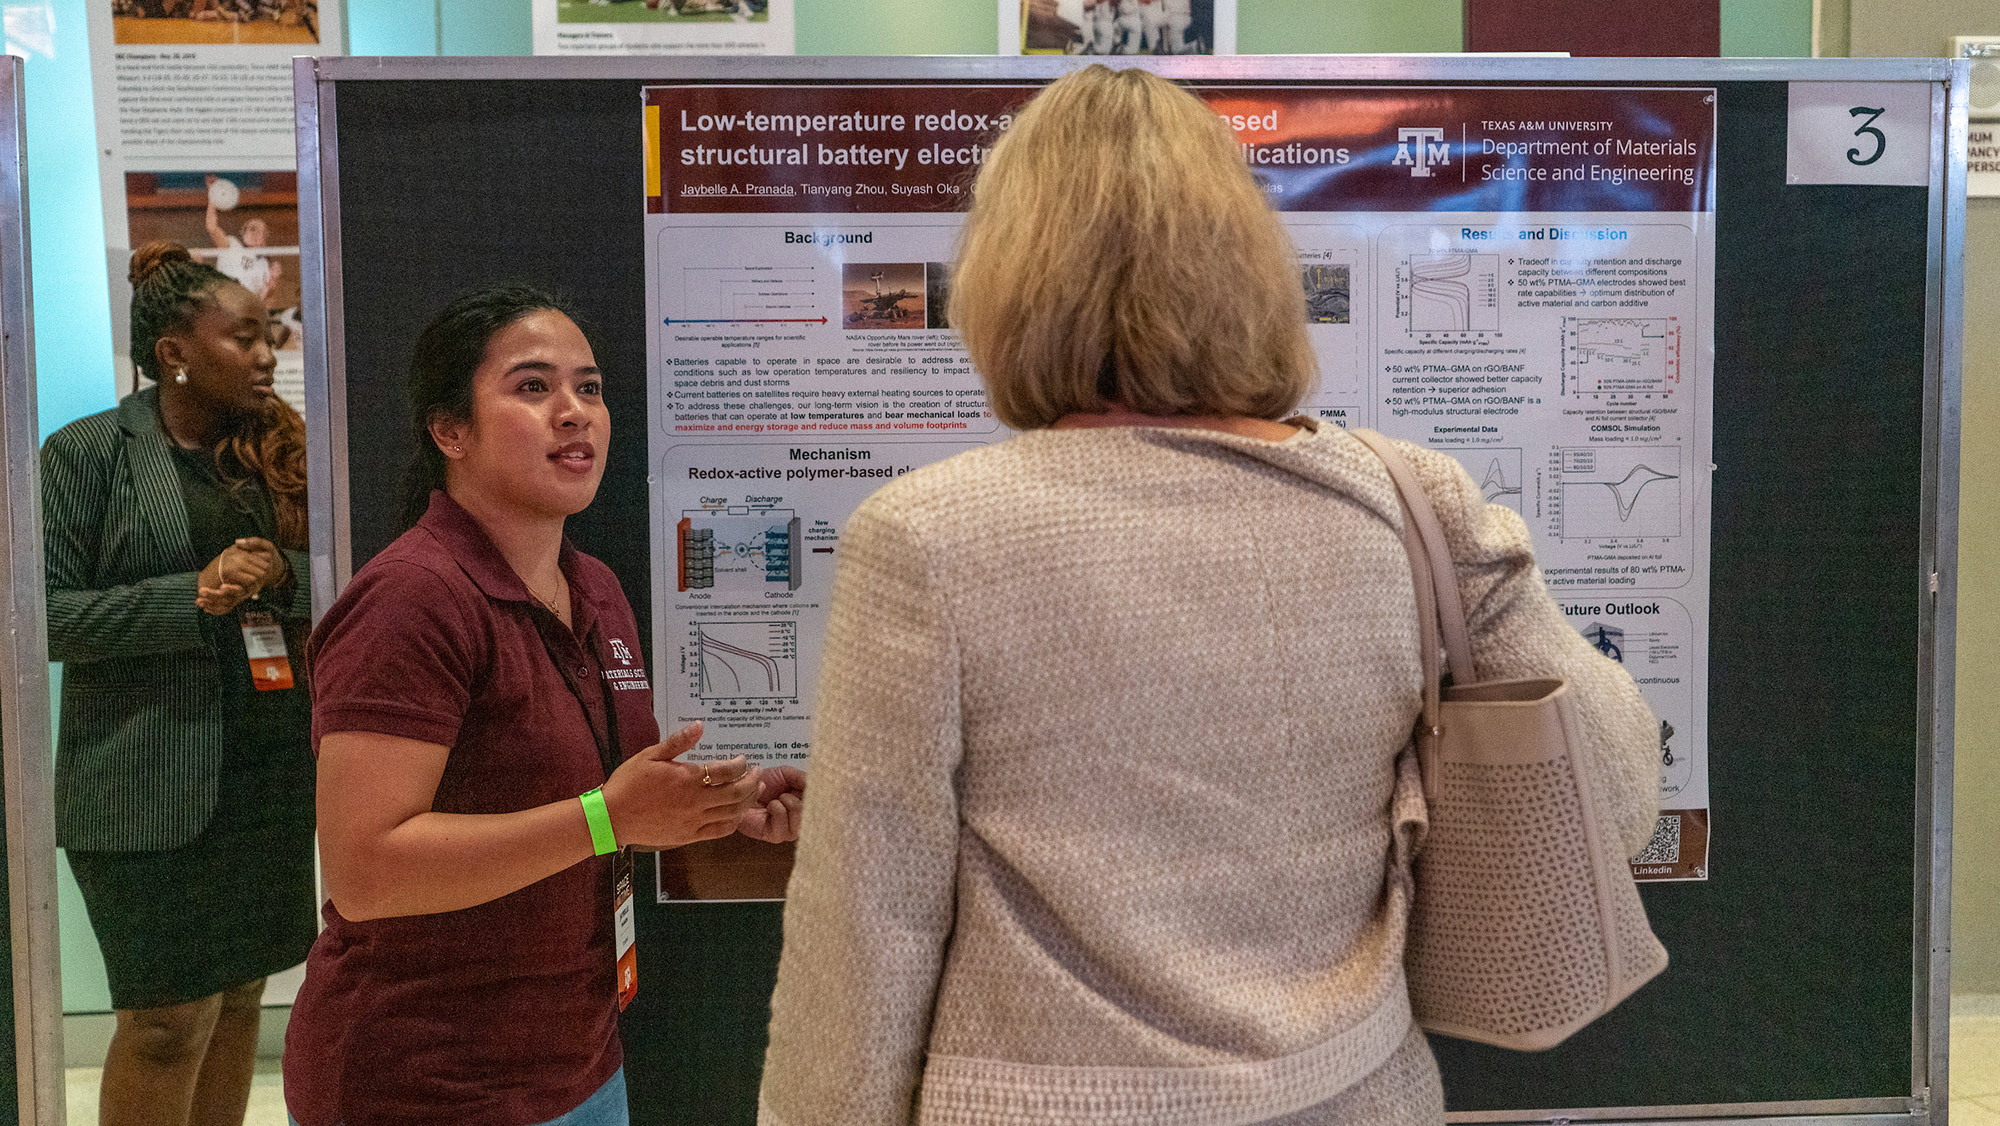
{"points": [[1525, 924]]}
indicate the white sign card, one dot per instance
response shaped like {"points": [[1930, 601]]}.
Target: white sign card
{"points": [[663, 27], [1858, 133], [1982, 158]]}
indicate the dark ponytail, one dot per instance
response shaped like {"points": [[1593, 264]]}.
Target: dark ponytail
{"points": [[447, 352]]}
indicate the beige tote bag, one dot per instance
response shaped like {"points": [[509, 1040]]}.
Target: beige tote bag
{"points": [[1526, 924]]}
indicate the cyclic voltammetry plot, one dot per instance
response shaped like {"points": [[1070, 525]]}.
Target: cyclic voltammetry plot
{"points": [[1496, 470], [1618, 492]]}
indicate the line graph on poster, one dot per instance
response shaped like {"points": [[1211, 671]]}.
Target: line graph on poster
{"points": [[1617, 492], [734, 661], [746, 547], [1496, 470], [1638, 357], [1448, 293]]}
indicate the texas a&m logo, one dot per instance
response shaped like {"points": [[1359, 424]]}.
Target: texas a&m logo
{"points": [[1421, 149], [619, 651]]}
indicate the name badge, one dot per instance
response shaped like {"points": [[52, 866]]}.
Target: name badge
{"points": [[264, 641], [622, 927]]}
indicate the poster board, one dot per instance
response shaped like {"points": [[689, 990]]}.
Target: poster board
{"points": [[194, 146], [31, 1053], [1808, 977]]}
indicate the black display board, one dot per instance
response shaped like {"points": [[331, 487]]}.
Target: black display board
{"points": [[1792, 974]]}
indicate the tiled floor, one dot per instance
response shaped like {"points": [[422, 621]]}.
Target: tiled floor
{"points": [[1975, 1076], [267, 1097], [1975, 1063]]}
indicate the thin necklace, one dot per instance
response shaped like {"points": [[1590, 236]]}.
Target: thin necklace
{"points": [[546, 604]]}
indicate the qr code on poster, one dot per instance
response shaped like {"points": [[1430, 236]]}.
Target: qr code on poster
{"points": [[1665, 847]]}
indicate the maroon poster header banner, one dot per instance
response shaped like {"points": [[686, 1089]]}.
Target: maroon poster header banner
{"points": [[873, 148]]}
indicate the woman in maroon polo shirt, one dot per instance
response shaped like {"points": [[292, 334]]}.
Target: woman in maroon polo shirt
{"points": [[473, 680]]}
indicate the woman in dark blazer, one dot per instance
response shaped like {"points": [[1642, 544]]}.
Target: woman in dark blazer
{"points": [[174, 525]]}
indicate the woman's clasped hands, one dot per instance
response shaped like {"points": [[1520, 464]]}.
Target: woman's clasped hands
{"points": [[656, 802], [243, 570]]}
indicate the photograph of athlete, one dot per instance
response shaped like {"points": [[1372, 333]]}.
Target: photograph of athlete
{"points": [[240, 257], [245, 224], [1117, 27], [214, 21]]}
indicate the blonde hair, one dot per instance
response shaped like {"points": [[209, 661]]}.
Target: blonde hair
{"points": [[1118, 252]]}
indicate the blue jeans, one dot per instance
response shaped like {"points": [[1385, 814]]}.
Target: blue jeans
{"points": [[605, 1108]]}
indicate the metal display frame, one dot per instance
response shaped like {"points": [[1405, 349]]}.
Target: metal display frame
{"points": [[316, 81], [27, 744]]}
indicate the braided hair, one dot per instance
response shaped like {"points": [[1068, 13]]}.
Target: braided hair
{"points": [[168, 288], [268, 445]]}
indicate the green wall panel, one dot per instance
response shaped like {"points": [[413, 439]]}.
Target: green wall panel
{"points": [[1767, 28], [378, 28], [1307, 27], [483, 27], [897, 27]]}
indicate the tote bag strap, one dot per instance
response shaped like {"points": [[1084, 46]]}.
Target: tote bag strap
{"points": [[1430, 727], [1443, 576]]}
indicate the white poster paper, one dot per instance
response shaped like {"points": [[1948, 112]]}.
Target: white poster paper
{"points": [[1522, 278], [195, 128], [663, 27], [1982, 158]]}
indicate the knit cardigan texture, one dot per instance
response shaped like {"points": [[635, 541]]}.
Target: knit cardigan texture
{"points": [[1103, 781]]}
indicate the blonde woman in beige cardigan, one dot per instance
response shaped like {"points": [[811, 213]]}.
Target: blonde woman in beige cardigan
{"points": [[1108, 716]]}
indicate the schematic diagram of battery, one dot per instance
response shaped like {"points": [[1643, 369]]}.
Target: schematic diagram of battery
{"points": [[739, 547]]}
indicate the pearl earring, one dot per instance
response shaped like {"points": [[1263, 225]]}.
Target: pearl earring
{"points": [[181, 376]]}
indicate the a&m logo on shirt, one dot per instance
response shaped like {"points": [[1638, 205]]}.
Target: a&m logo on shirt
{"points": [[1421, 149], [626, 679]]}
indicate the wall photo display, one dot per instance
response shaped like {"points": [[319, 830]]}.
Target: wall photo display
{"points": [[1117, 27]]}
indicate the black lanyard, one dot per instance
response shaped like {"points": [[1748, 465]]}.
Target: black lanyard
{"points": [[609, 754]]}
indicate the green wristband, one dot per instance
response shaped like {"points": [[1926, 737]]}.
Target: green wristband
{"points": [[599, 818]]}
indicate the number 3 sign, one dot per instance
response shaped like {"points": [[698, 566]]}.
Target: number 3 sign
{"points": [[1858, 133]]}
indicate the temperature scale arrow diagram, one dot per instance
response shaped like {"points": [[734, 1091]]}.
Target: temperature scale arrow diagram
{"points": [[745, 321]]}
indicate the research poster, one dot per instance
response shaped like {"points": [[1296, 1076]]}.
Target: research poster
{"points": [[197, 145], [662, 27], [1520, 277]]}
